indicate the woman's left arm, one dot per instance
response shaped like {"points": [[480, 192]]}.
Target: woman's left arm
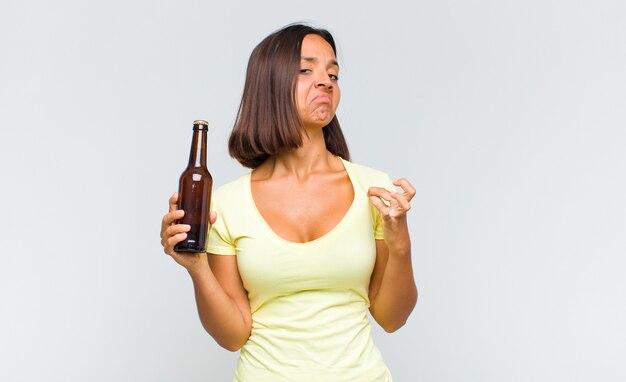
{"points": [[392, 291]]}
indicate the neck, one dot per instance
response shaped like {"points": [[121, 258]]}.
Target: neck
{"points": [[311, 157]]}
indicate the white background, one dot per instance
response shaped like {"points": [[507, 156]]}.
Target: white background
{"points": [[509, 118]]}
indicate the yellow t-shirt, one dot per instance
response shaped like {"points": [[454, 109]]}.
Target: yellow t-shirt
{"points": [[309, 301]]}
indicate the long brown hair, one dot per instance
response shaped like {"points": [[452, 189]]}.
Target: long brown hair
{"points": [[268, 122]]}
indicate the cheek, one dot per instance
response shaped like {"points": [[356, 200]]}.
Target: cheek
{"points": [[300, 97]]}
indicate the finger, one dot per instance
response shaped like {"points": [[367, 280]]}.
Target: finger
{"points": [[380, 205], [381, 193], [401, 201], [173, 202], [395, 208], [175, 229], [167, 218], [172, 241], [212, 217], [406, 186], [170, 218]]}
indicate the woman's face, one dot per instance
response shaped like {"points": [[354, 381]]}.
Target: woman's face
{"points": [[317, 90]]}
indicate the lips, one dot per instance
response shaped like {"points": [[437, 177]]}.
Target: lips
{"points": [[322, 98]]}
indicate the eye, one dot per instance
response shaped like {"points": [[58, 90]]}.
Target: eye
{"points": [[333, 77], [305, 71]]}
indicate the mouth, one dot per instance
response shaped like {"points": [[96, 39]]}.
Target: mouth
{"points": [[322, 98]]}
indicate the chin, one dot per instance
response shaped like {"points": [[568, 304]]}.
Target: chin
{"points": [[324, 119]]}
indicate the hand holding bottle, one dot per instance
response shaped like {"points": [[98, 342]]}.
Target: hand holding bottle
{"points": [[172, 234]]}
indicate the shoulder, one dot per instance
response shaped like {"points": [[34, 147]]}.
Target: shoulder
{"points": [[367, 176], [231, 191]]}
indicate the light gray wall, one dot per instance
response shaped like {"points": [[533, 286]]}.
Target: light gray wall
{"points": [[507, 116]]}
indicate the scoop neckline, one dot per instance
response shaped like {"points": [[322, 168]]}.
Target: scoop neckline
{"points": [[273, 234]]}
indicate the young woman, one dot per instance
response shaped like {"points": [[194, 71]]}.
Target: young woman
{"points": [[302, 246]]}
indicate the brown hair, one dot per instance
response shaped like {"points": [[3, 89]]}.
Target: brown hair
{"points": [[268, 122]]}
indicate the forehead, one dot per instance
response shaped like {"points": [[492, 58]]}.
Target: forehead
{"points": [[314, 46]]}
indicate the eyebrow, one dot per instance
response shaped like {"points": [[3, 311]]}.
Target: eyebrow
{"points": [[313, 59]]}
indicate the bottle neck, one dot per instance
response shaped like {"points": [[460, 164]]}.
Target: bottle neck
{"points": [[197, 155]]}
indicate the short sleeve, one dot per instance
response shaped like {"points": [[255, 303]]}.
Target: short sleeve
{"points": [[378, 226], [220, 241]]}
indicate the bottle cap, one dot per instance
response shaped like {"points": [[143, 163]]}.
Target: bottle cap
{"points": [[200, 122]]}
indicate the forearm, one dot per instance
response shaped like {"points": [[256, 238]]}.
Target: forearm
{"points": [[219, 314], [397, 294]]}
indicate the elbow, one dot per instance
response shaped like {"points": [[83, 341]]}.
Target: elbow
{"points": [[231, 342], [391, 322], [230, 345], [391, 327]]}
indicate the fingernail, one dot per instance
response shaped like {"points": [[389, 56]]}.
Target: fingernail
{"points": [[187, 227]]}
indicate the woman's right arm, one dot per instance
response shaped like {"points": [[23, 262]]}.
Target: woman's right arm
{"points": [[221, 299]]}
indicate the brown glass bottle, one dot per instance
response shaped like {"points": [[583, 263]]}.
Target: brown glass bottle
{"points": [[194, 192]]}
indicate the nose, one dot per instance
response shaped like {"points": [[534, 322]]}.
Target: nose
{"points": [[323, 81]]}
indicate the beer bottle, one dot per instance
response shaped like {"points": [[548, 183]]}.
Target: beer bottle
{"points": [[194, 192]]}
